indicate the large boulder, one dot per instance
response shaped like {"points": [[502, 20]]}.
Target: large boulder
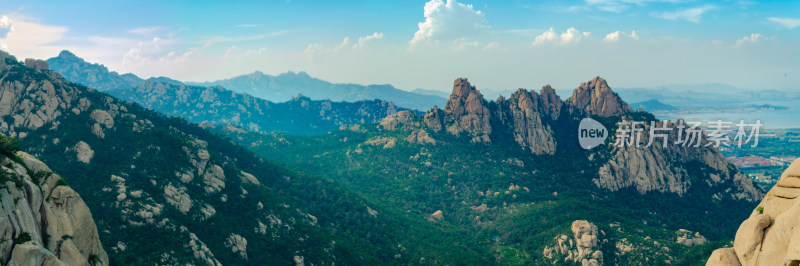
{"points": [[771, 235], [52, 209]]}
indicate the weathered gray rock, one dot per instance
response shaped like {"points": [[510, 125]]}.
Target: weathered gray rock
{"points": [[524, 112], [661, 168], [84, 152], [582, 248], [467, 111], [595, 97], [36, 64], [396, 120], [434, 119], [771, 235], [102, 117], [54, 210], [238, 245]]}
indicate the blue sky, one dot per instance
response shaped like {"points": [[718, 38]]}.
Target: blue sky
{"points": [[425, 44]]}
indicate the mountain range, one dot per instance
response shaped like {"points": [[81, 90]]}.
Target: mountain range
{"points": [[512, 175], [218, 106], [280, 88], [474, 182], [287, 85], [164, 191]]}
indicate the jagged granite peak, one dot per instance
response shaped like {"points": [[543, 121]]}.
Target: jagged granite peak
{"points": [[96, 76], [523, 113], [529, 130], [771, 235], [551, 102], [58, 225], [467, 111], [596, 98]]}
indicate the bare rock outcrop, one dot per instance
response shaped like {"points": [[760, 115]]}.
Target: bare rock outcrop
{"points": [[43, 222], [583, 247], [39, 65], [421, 137], [467, 111], [595, 97], [84, 152], [662, 168], [685, 237], [771, 235], [238, 245], [434, 119], [397, 120], [524, 112]]}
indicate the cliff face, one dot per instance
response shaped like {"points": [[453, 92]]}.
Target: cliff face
{"points": [[524, 113], [43, 221], [663, 168], [771, 235]]}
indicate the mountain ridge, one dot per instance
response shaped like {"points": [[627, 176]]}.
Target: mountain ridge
{"points": [[196, 197]]}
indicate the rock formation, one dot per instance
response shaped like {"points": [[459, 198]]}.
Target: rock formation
{"points": [[396, 120], [43, 221], [467, 111], [524, 112], [582, 248], [659, 168], [771, 235], [434, 119], [595, 97]]}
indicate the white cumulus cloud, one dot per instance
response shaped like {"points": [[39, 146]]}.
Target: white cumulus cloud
{"points": [[570, 36], [615, 36], [612, 37], [366, 40], [30, 40], [449, 21], [789, 23], [753, 38]]}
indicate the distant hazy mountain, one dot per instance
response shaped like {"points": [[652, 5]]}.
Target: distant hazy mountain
{"points": [[653, 105], [287, 85], [95, 76], [439, 93], [219, 106]]}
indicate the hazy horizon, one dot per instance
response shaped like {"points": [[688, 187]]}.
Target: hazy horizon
{"points": [[425, 45]]}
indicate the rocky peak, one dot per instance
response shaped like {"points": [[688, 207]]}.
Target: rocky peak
{"points": [[551, 102], [595, 97], [67, 55], [464, 99], [466, 110], [36, 64], [433, 119], [523, 112]]}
